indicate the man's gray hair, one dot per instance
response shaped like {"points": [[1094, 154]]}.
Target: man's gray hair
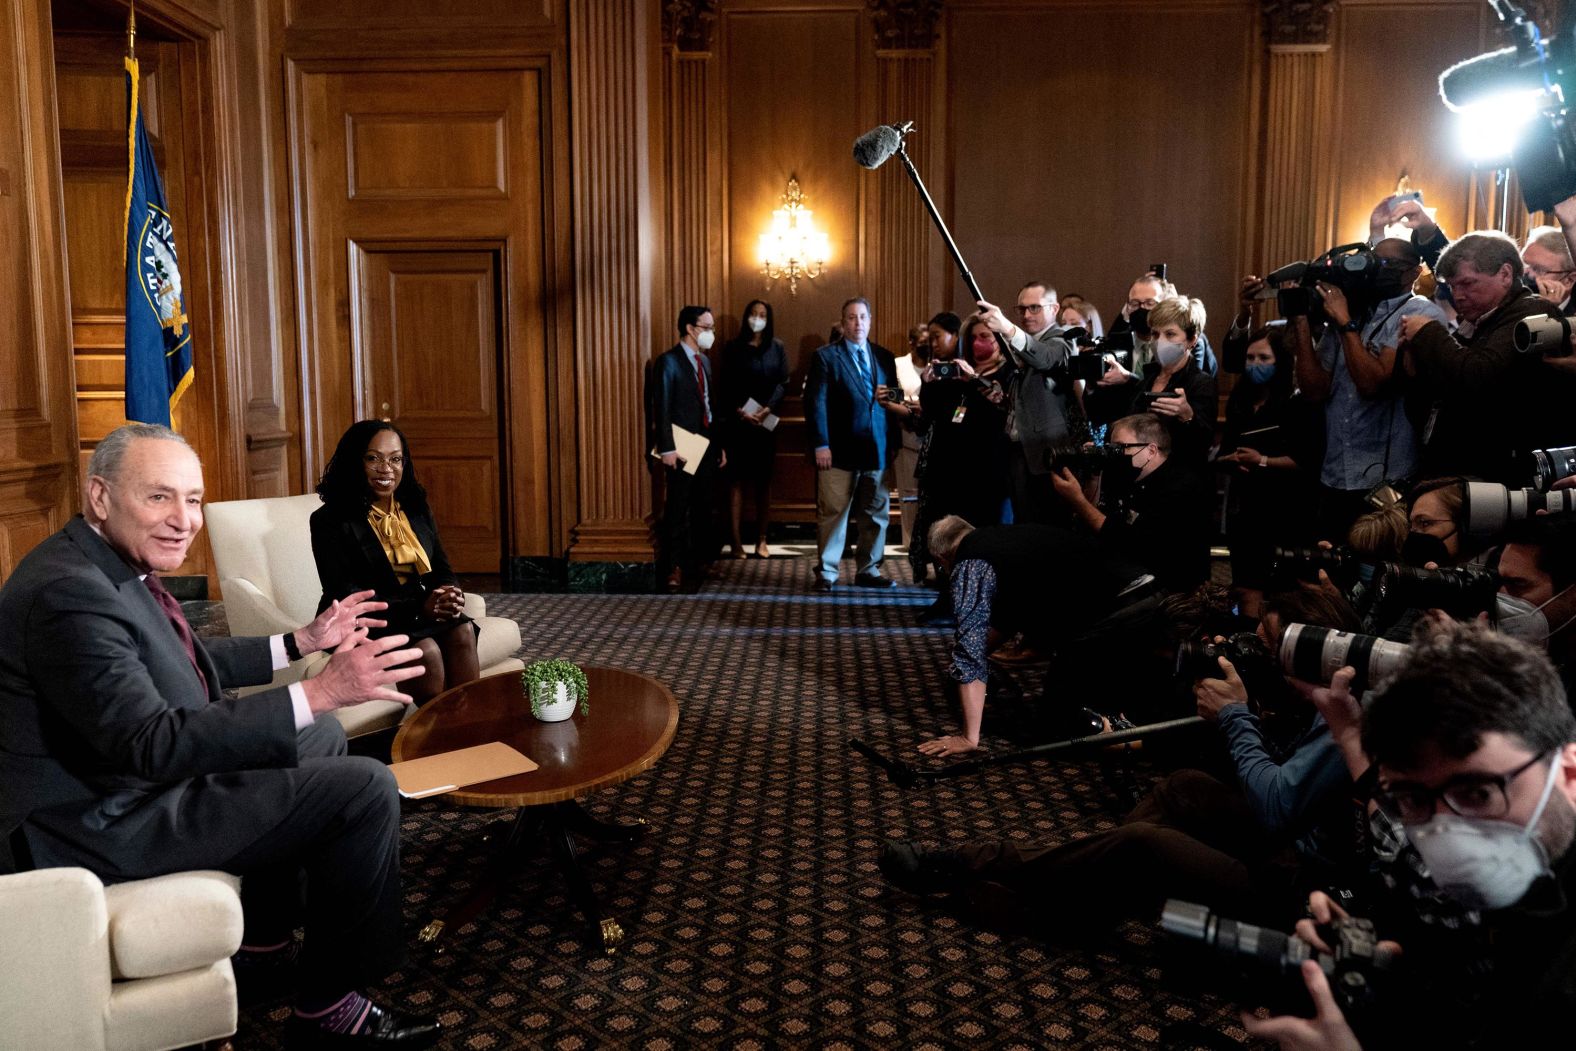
{"points": [[1551, 239], [946, 535], [111, 451], [1485, 250]]}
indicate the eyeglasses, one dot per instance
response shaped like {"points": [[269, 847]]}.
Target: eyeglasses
{"points": [[374, 460], [1469, 795], [1124, 446], [1031, 308], [1425, 524], [1543, 271]]}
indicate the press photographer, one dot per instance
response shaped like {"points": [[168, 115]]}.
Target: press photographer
{"points": [[1173, 386], [1152, 510], [1473, 747], [1480, 403], [1368, 437], [1251, 845]]}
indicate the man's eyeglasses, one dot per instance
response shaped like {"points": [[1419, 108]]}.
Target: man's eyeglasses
{"points": [[1469, 795], [374, 460], [1124, 446], [1031, 308]]}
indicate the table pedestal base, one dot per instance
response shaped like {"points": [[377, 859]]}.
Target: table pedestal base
{"points": [[559, 822]]}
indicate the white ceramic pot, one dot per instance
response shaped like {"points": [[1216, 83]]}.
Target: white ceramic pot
{"points": [[553, 702]]}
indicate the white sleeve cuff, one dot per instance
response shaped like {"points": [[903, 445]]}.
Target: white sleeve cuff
{"points": [[303, 710], [276, 645]]}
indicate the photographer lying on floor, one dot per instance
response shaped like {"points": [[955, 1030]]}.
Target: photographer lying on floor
{"points": [[1474, 748], [1249, 846]]}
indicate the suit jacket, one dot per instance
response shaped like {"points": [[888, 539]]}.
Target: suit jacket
{"points": [[676, 397], [1043, 408], [841, 409], [109, 745], [350, 559]]}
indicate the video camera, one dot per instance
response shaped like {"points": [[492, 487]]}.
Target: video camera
{"points": [[1490, 507], [1353, 268], [1254, 662], [1089, 363], [1355, 969]]}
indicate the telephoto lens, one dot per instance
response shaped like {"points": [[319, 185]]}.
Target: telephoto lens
{"points": [[1462, 593], [1201, 660], [1304, 563], [1490, 507], [1315, 654], [1546, 335], [1551, 465]]}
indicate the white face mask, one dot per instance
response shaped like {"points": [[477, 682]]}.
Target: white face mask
{"points": [[1520, 619], [757, 324], [705, 339], [1484, 863], [1169, 354]]}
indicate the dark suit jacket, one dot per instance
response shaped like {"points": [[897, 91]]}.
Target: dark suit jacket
{"points": [[109, 745], [350, 559], [676, 397], [841, 409]]}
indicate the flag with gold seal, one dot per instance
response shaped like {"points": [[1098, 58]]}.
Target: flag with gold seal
{"points": [[158, 332]]}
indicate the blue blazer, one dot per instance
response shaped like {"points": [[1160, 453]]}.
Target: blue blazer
{"points": [[841, 409]]}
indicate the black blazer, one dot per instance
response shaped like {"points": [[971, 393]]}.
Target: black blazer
{"points": [[676, 397], [350, 559], [107, 732]]}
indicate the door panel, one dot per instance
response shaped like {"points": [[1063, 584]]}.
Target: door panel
{"points": [[425, 351]]}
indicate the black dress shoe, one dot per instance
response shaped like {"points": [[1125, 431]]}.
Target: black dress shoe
{"points": [[938, 614], [383, 1028], [921, 871], [822, 584], [873, 580]]}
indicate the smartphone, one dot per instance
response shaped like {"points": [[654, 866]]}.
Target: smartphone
{"points": [[1410, 195], [1158, 269], [1149, 397]]}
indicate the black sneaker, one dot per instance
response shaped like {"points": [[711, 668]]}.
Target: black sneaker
{"points": [[922, 871]]}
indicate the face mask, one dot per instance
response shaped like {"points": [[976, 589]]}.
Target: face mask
{"points": [[757, 324], [1520, 619], [1262, 372], [1419, 549], [1169, 354], [1389, 285], [1484, 863], [705, 339]]}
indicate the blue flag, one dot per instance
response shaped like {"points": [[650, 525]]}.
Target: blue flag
{"points": [[158, 334]]}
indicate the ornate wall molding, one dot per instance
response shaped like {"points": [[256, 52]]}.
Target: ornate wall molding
{"points": [[1298, 23], [689, 24], [905, 25]]}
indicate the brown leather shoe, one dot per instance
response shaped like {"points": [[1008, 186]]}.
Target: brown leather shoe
{"points": [[675, 580]]}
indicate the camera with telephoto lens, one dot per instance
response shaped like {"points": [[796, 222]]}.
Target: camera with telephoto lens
{"points": [[1247, 653], [1356, 967], [1315, 654], [1085, 459], [1490, 507], [1547, 335], [1089, 363], [1302, 564], [1461, 592], [1550, 465], [1353, 268]]}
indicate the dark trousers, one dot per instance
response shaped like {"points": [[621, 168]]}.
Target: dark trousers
{"points": [[687, 515], [1192, 838], [330, 864], [1033, 499]]}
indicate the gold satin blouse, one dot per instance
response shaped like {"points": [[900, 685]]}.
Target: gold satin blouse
{"points": [[405, 553]]}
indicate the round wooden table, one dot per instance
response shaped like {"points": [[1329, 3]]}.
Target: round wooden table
{"points": [[631, 722]]}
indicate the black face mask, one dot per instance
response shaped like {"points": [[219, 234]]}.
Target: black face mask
{"points": [[1388, 285], [1421, 548]]}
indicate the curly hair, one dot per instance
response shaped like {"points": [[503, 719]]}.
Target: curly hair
{"points": [[344, 480]]}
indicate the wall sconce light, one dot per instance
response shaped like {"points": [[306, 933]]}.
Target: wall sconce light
{"points": [[792, 247]]}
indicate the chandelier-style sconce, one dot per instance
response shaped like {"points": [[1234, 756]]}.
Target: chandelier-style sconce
{"points": [[792, 247]]}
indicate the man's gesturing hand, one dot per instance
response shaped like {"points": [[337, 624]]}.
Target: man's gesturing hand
{"points": [[336, 623], [363, 669]]}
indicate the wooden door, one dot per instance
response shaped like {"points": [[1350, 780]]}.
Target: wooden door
{"points": [[425, 352]]}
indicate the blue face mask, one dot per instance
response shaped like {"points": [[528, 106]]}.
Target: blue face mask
{"points": [[1262, 372]]}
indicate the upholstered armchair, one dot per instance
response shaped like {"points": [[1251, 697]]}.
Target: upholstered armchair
{"points": [[263, 549], [139, 966]]}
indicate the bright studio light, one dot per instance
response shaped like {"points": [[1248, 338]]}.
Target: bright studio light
{"points": [[1490, 130]]}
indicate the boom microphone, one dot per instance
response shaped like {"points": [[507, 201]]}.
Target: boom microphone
{"points": [[872, 149]]}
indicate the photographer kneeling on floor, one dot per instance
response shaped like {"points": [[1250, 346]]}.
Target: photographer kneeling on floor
{"points": [[1248, 846], [1473, 747]]}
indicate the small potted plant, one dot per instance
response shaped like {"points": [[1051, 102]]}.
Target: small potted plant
{"points": [[555, 687]]}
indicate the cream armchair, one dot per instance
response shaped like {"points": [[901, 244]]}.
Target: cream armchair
{"points": [[263, 549], [139, 966]]}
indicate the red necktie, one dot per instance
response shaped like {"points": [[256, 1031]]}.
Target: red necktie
{"points": [[183, 630], [700, 380]]}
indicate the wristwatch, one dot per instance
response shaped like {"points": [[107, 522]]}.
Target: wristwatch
{"points": [[1352, 326]]}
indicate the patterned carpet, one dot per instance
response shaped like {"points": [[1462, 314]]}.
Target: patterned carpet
{"points": [[755, 914]]}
